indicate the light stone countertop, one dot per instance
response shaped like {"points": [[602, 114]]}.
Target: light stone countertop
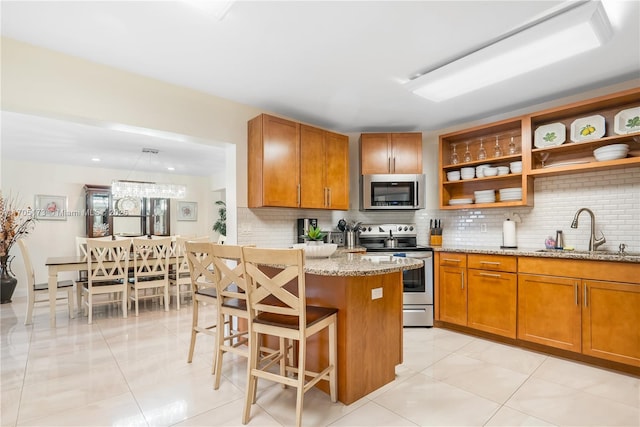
{"points": [[358, 264], [632, 257]]}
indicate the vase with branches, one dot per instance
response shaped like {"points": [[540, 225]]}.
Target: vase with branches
{"points": [[15, 223], [221, 223]]}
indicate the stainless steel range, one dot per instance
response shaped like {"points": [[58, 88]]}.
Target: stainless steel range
{"points": [[400, 240]]}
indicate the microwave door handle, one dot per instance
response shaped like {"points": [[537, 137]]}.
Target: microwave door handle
{"points": [[417, 202]]}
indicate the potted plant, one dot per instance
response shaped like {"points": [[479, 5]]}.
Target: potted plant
{"points": [[221, 223], [315, 236], [15, 223]]}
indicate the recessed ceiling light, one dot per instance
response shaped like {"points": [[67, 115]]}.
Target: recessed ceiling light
{"points": [[95, 159], [171, 168]]}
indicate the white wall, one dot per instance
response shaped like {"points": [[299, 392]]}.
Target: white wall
{"points": [[57, 238]]}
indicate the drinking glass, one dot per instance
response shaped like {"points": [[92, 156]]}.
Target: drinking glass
{"points": [[512, 147], [467, 154], [543, 157], [482, 153], [497, 151], [454, 155]]}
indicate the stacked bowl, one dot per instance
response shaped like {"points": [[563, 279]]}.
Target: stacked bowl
{"points": [[480, 169], [453, 176], [485, 196], [516, 167], [507, 194], [503, 170], [611, 152], [467, 173], [489, 171]]}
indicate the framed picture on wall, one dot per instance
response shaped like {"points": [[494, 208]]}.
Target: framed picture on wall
{"points": [[53, 208], [187, 211]]}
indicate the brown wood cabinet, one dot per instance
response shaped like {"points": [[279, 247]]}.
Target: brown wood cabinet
{"points": [[295, 165], [452, 288], [610, 321], [98, 204], [492, 288], [324, 174], [385, 153], [273, 162], [549, 311], [592, 309]]}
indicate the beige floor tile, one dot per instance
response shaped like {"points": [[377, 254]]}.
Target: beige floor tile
{"points": [[120, 410], [507, 417], [478, 377], [596, 381], [429, 402], [563, 405], [503, 355], [230, 415], [9, 404], [372, 414]]}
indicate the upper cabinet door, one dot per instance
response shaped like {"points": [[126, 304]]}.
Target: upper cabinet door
{"points": [[375, 153], [337, 170], [312, 172], [273, 162], [385, 153], [406, 155]]}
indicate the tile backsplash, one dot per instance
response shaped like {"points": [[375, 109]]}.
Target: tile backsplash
{"points": [[613, 196]]}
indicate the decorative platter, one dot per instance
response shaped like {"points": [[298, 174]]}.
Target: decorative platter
{"points": [[627, 121], [550, 135], [128, 206], [587, 128]]}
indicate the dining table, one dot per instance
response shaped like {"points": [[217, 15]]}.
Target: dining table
{"points": [[56, 265]]}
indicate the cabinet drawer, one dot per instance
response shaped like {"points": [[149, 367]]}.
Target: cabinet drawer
{"points": [[453, 259], [492, 262]]}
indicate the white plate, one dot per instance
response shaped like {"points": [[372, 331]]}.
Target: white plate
{"points": [[550, 135], [587, 128], [454, 202], [574, 162], [627, 121]]}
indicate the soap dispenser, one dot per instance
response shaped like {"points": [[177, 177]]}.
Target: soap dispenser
{"points": [[559, 239]]}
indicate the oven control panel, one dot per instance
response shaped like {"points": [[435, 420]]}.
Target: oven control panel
{"points": [[382, 230]]}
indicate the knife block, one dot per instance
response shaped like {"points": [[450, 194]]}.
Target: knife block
{"points": [[435, 239]]}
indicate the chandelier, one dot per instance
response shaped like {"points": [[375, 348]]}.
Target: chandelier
{"points": [[139, 189]]}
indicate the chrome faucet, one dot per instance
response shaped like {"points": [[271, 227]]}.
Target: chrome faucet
{"points": [[593, 242]]}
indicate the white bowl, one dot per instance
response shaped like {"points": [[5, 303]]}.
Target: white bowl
{"points": [[453, 175], [317, 251], [603, 157], [490, 171], [612, 147], [516, 164], [503, 170], [467, 173]]}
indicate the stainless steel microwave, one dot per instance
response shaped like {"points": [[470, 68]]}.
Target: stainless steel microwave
{"points": [[392, 192]]}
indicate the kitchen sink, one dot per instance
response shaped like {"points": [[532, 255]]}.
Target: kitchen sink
{"points": [[611, 253]]}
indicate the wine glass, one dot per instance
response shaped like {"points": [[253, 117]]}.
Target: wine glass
{"points": [[497, 151], [467, 154], [482, 153], [512, 147], [454, 155], [543, 156]]}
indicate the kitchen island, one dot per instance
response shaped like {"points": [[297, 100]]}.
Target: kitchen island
{"points": [[367, 291]]}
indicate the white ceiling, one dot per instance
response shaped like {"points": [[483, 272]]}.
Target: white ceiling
{"points": [[338, 65]]}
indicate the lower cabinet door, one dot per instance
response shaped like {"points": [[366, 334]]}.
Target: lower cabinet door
{"points": [[549, 311], [611, 321], [492, 302], [453, 295]]}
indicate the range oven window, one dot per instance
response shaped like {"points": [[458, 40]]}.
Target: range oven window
{"points": [[414, 280], [392, 193]]}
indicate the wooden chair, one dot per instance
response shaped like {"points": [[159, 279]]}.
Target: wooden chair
{"points": [[108, 267], [42, 289], [179, 277], [232, 305], [203, 290], [150, 270], [274, 310]]}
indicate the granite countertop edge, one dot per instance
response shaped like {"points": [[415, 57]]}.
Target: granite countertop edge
{"points": [[358, 264], [584, 255]]}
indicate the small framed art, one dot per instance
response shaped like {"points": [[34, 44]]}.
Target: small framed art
{"points": [[187, 211], [52, 208]]}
